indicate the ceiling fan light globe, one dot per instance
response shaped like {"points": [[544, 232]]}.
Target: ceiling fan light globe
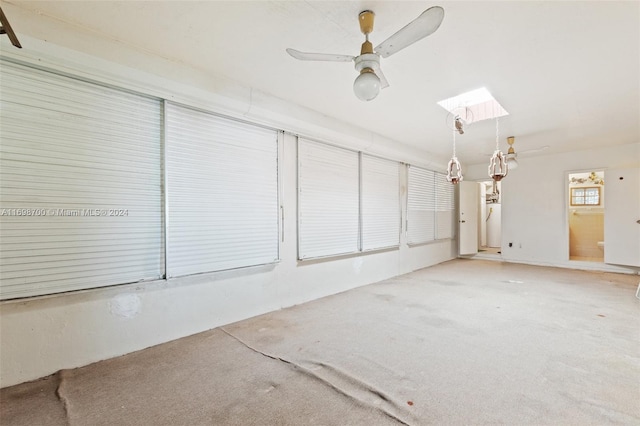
{"points": [[512, 163], [366, 86]]}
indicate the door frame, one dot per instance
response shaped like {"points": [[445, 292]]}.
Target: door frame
{"points": [[567, 208], [459, 214]]}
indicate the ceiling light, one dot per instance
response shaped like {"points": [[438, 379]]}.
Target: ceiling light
{"points": [[367, 85], [454, 170], [498, 167]]}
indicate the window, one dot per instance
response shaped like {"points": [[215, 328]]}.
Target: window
{"points": [[348, 202], [328, 206], [430, 206], [89, 185], [421, 205], [80, 181], [445, 207], [222, 193], [479, 105], [588, 196], [380, 194]]}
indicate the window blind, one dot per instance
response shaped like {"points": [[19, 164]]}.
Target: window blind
{"points": [[328, 200], [80, 184], [421, 205], [445, 207], [380, 198], [222, 193]]}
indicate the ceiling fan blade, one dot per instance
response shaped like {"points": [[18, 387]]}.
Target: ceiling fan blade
{"points": [[304, 56], [5, 28], [425, 24], [529, 151], [526, 151]]}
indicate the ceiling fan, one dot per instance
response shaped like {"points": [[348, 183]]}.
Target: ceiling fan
{"points": [[512, 155], [371, 79]]}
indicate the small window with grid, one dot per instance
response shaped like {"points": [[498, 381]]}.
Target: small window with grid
{"points": [[585, 196]]}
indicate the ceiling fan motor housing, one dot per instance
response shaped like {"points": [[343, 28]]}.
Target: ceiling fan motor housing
{"points": [[510, 141], [369, 62]]}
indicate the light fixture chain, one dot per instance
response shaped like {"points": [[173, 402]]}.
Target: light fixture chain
{"points": [[497, 134], [454, 143]]}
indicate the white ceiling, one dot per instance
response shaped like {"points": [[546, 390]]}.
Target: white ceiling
{"points": [[567, 72]]}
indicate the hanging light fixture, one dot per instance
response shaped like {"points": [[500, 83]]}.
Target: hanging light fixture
{"points": [[454, 171], [457, 121], [498, 167], [512, 157]]}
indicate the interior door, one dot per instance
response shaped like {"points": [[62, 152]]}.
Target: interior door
{"points": [[622, 216], [468, 202]]}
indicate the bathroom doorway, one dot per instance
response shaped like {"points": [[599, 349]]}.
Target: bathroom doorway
{"points": [[585, 203], [490, 218]]}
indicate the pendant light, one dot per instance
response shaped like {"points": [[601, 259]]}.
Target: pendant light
{"points": [[498, 167], [454, 171]]}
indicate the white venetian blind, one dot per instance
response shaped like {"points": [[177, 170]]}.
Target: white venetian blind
{"points": [[328, 205], [222, 193], [445, 207], [380, 198], [421, 206], [80, 184]]}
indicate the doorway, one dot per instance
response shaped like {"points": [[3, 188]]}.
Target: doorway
{"points": [[490, 218], [480, 220], [585, 205]]}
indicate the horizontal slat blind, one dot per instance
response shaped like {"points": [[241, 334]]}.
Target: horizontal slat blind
{"points": [[445, 207], [222, 193], [421, 205], [380, 198], [80, 184], [328, 206]]}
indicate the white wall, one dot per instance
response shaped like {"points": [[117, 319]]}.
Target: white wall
{"points": [[44, 334], [534, 207]]}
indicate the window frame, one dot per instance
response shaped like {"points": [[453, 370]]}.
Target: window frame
{"points": [[585, 197]]}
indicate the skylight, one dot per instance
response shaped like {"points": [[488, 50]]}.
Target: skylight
{"points": [[480, 102]]}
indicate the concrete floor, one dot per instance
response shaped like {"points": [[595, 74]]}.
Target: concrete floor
{"points": [[467, 342]]}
